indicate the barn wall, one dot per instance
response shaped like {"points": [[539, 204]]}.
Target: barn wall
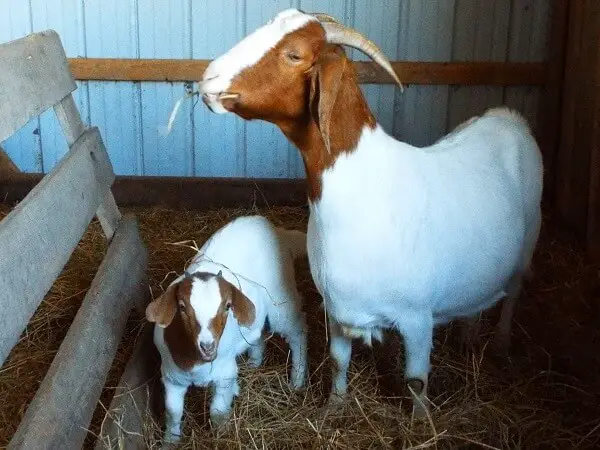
{"points": [[129, 115]]}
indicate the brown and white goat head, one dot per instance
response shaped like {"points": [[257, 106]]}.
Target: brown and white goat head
{"points": [[194, 311], [275, 73]]}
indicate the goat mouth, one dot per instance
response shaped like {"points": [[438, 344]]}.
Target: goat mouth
{"points": [[214, 101], [208, 102], [207, 357]]}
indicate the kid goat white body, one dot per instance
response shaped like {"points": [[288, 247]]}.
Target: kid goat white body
{"points": [[242, 276]]}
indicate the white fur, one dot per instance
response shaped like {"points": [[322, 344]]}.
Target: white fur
{"points": [[205, 298], [221, 71], [408, 238], [258, 258]]}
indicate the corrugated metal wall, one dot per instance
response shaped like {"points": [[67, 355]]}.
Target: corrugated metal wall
{"points": [[129, 115]]}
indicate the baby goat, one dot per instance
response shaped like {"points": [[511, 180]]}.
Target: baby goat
{"points": [[399, 237], [242, 276]]}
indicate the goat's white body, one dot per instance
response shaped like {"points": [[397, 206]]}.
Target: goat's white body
{"points": [[408, 237], [257, 258]]}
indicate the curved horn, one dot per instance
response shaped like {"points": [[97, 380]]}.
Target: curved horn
{"points": [[323, 17], [339, 34]]}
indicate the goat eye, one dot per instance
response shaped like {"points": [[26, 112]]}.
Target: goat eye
{"points": [[227, 306], [294, 57]]}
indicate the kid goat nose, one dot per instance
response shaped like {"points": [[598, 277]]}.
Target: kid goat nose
{"points": [[207, 347]]}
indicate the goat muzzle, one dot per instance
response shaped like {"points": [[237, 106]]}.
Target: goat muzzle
{"points": [[208, 351]]}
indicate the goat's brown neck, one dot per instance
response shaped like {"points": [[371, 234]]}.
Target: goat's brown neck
{"points": [[350, 115]]}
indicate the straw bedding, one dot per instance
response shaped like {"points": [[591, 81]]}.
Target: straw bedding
{"points": [[545, 394]]}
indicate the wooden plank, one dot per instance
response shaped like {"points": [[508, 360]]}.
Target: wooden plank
{"points": [[108, 215], [578, 161], [440, 73], [34, 75], [565, 154], [38, 236], [70, 120], [135, 400], [593, 93], [186, 193], [578, 116], [61, 411], [549, 109]]}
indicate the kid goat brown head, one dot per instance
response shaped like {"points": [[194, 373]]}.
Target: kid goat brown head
{"points": [[194, 311]]}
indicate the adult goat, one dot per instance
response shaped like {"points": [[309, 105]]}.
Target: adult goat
{"points": [[399, 237]]}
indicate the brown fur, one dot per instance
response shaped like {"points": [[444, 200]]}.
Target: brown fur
{"points": [[315, 101], [181, 326], [243, 309]]}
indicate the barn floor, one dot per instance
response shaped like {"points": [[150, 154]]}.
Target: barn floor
{"points": [[545, 394]]}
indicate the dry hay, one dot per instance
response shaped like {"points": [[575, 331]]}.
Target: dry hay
{"points": [[544, 395]]}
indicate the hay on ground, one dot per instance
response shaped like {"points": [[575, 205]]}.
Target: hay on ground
{"points": [[544, 395]]}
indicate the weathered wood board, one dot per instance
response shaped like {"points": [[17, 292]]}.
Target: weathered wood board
{"points": [[134, 402], [61, 411], [34, 75], [38, 236]]}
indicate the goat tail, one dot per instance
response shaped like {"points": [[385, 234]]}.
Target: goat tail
{"points": [[294, 241], [509, 113]]}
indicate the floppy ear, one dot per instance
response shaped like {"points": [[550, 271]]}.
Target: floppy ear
{"points": [[243, 309], [162, 310], [325, 83]]}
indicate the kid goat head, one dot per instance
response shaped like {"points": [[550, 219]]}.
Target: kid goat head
{"points": [[292, 72], [194, 312]]}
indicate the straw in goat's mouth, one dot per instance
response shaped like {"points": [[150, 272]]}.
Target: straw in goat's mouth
{"points": [[165, 131]]}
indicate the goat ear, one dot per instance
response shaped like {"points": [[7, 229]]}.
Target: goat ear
{"points": [[243, 309], [325, 83], [162, 310]]}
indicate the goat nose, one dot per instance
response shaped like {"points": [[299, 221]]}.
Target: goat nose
{"points": [[207, 347]]}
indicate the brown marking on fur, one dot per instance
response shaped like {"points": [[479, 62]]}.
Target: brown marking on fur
{"points": [[180, 336], [243, 309], [314, 101], [181, 327], [217, 323], [346, 111], [162, 310]]}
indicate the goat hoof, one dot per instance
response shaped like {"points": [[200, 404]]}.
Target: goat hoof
{"points": [[170, 439], [254, 363], [416, 389], [297, 385], [420, 411], [502, 343], [336, 400], [416, 385], [219, 420], [297, 382]]}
